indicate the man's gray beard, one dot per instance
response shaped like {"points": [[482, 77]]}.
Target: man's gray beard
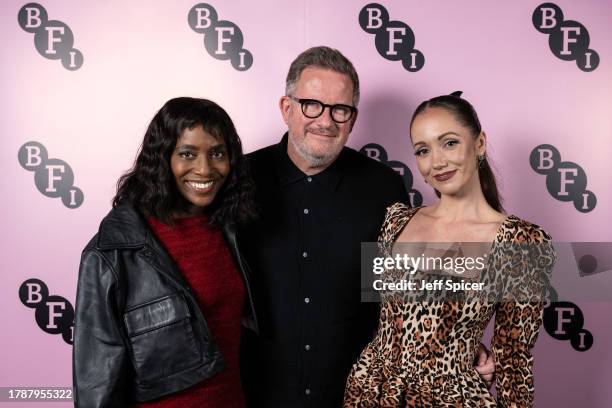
{"points": [[313, 160]]}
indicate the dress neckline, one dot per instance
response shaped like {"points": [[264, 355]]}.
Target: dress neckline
{"points": [[413, 211], [183, 222]]}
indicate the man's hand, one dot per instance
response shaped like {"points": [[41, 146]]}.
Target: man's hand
{"points": [[485, 365]]}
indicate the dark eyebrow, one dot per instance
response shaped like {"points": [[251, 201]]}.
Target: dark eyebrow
{"points": [[448, 133], [440, 137], [219, 146], [185, 147]]}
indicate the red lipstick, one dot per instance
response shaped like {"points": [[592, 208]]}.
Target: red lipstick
{"points": [[445, 176]]}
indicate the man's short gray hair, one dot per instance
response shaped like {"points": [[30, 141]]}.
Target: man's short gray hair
{"points": [[326, 58]]}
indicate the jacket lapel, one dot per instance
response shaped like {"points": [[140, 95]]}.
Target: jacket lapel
{"points": [[158, 257], [125, 227]]}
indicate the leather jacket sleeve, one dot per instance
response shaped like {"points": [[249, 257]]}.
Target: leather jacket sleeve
{"points": [[101, 364]]}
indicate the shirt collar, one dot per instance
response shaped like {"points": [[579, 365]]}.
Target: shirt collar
{"points": [[289, 173]]}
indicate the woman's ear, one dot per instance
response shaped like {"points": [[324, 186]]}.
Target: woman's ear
{"points": [[481, 144]]}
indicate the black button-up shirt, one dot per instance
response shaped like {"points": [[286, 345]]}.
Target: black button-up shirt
{"points": [[304, 252]]}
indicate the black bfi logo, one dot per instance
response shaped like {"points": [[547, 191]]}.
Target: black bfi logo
{"points": [[53, 39], [223, 39], [568, 40], [565, 181], [53, 177], [377, 152], [54, 314], [394, 39], [565, 321]]}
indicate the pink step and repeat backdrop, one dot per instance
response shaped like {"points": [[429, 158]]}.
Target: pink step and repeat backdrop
{"points": [[81, 80]]}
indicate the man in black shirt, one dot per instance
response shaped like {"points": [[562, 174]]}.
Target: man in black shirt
{"points": [[318, 200]]}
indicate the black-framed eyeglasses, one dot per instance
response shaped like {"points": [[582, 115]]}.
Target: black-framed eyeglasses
{"points": [[311, 108]]}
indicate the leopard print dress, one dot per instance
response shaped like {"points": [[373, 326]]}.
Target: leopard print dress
{"points": [[423, 353]]}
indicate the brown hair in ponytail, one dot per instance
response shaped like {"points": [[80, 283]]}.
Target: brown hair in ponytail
{"points": [[464, 112]]}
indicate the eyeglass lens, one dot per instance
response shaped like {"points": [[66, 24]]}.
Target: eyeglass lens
{"points": [[314, 109]]}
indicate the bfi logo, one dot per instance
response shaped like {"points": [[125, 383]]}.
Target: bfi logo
{"points": [[54, 314], [53, 177], [394, 40], [565, 181], [378, 153], [53, 39], [222, 39], [565, 321], [568, 40]]}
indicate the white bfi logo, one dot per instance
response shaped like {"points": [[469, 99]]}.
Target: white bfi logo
{"points": [[54, 314], [53, 177], [223, 39], [394, 40], [378, 153], [52, 39], [565, 181], [569, 40], [565, 321]]}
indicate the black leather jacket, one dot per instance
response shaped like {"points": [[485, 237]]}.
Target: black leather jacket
{"points": [[139, 333]]}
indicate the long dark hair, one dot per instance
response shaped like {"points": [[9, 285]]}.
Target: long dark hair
{"points": [[150, 185], [465, 114]]}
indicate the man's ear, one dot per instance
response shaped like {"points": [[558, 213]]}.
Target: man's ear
{"points": [[285, 107]]}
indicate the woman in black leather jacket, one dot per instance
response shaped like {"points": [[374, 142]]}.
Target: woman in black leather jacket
{"points": [[162, 285]]}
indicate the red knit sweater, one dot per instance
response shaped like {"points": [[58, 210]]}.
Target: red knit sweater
{"points": [[205, 261]]}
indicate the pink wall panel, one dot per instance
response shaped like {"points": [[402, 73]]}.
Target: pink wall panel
{"points": [[138, 54]]}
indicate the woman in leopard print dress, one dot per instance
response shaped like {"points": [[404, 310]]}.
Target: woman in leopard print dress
{"points": [[423, 352]]}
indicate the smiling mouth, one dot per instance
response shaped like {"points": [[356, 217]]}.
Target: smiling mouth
{"points": [[321, 134], [201, 187], [445, 176]]}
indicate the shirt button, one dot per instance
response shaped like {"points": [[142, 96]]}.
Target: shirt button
{"points": [[304, 254], [305, 210], [309, 179], [307, 391], [307, 300], [307, 347]]}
